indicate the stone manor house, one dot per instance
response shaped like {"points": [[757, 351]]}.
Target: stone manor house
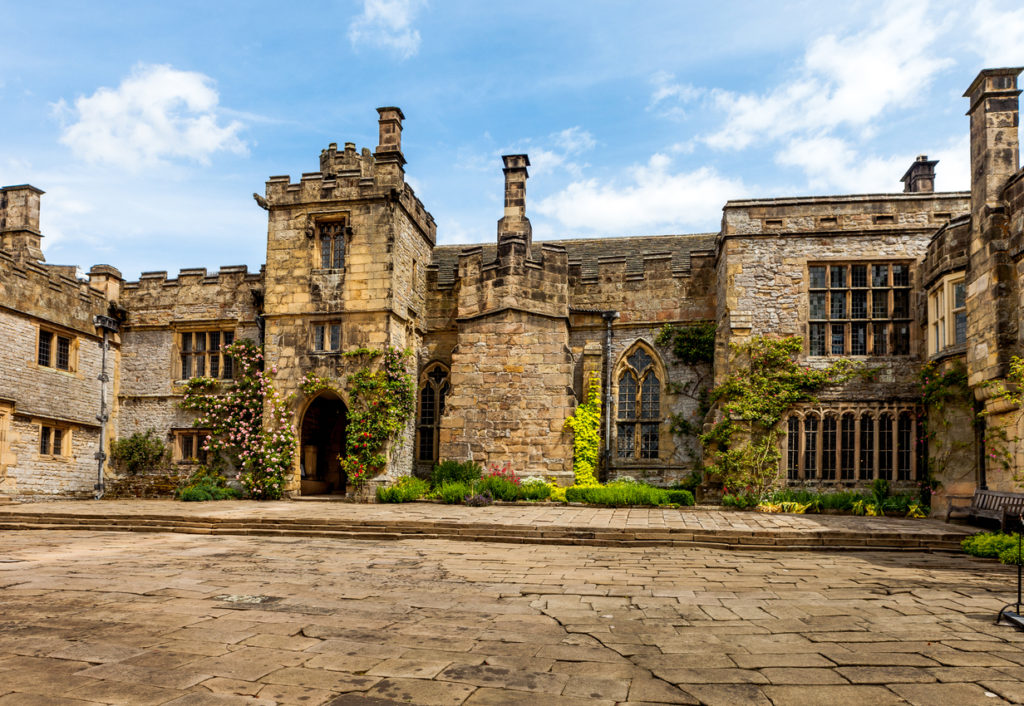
{"points": [[505, 336]]}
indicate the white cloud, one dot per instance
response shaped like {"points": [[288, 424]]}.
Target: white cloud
{"points": [[668, 94], [847, 81], [387, 24], [998, 33], [556, 151], [157, 113], [654, 198], [832, 164]]}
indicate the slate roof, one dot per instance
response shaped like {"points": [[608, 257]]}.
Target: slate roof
{"points": [[591, 253]]}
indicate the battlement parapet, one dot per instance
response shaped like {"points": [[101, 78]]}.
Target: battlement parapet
{"points": [[50, 293], [843, 214], [327, 189], [196, 275], [513, 280]]}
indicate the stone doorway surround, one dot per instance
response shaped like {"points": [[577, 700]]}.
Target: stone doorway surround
{"points": [[322, 442]]}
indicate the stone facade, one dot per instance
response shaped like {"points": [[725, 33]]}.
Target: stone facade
{"points": [[505, 336]]}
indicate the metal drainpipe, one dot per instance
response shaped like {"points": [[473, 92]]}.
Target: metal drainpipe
{"points": [[609, 317], [107, 324]]}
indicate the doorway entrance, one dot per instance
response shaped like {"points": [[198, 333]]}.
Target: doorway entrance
{"points": [[322, 442]]}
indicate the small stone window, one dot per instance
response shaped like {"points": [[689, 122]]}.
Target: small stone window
{"points": [[331, 235], [53, 440], [638, 419], [859, 309], [326, 337], [202, 354], [55, 350], [189, 446], [434, 388]]}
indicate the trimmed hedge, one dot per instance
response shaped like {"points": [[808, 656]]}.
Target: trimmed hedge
{"points": [[627, 494]]}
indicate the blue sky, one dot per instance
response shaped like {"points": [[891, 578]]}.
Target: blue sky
{"points": [[150, 125]]}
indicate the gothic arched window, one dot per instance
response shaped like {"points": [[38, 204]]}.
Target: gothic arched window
{"points": [[639, 409], [433, 391], [332, 244]]}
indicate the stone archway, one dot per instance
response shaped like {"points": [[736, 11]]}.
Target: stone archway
{"points": [[322, 441]]}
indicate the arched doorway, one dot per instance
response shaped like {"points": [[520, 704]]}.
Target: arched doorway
{"points": [[323, 441]]}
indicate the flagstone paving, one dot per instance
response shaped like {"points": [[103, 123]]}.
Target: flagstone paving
{"points": [[161, 618]]}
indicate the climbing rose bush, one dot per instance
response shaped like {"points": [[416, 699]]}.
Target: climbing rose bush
{"points": [[248, 420]]}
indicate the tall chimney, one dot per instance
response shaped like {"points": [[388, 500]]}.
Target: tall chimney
{"points": [[514, 225], [920, 178], [389, 157], [991, 275], [994, 146], [19, 221]]}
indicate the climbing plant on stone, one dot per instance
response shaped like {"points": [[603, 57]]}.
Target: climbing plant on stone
{"points": [[382, 398], [585, 423], [248, 419], [765, 384]]}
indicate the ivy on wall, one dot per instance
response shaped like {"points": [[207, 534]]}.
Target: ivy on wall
{"points": [[585, 424], [1002, 441], [766, 383], [941, 389], [249, 421], [693, 345], [382, 399]]}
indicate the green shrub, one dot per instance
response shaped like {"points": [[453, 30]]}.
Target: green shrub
{"points": [[195, 493], [404, 490], [740, 501], [455, 472], [206, 484], [142, 451], [1011, 555], [989, 544], [453, 493], [618, 494], [680, 496], [498, 488], [537, 490]]}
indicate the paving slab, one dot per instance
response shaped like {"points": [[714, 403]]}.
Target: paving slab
{"points": [[117, 617]]}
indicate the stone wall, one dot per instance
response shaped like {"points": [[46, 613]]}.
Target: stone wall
{"points": [[35, 297]]}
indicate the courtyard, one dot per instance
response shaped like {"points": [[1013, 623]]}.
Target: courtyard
{"points": [[169, 618]]}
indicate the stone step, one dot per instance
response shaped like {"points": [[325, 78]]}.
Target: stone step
{"points": [[482, 532]]}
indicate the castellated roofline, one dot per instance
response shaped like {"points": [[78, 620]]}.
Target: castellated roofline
{"points": [[194, 275]]}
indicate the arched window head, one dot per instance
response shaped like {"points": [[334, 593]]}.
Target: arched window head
{"points": [[434, 387], [639, 406], [332, 244]]}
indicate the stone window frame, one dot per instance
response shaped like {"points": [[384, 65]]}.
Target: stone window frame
{"points": [[325, 336], [185, 348], [54, 440], [331, 228], [637, 447], [189, 441], [844, 322], [51, 354], [435, 379], [944, 312], [816, 459]]}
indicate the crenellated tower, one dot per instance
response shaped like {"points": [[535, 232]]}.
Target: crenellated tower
{"points": [[346, 250]]}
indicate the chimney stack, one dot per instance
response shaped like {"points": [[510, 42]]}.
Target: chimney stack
{"points": [[920, 178], [19, 221], [388, 157], [514, 225], [994, 146]]}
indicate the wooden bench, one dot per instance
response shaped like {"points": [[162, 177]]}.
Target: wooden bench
{"points": [[990, 504]]}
